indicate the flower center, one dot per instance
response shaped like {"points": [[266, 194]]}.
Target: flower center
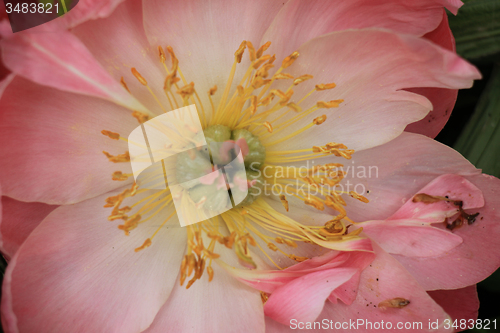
{"points": [[255, 118]]}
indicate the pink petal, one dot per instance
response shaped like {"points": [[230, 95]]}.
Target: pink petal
{"points": [[52, 146], [455, 187], [371, 68], [383, 280], [411, 238], [460, 304], [300, 20], [403, 167], [222, 305], [128, 48], [206, 35], [18, 219], [443, 100], [408, 232], [61, 61], [476, 258], [390, 175], [303, 298], [78, 272]]}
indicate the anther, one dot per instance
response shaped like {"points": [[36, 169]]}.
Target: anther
{"points": [[294, 107], [313, 202], [239, 52], [162, 55], [319, 120], [325, 86], [111, 135], [328, 105], [282, 76], [262, 49], [302, 78], [118, 158], [141, 117], [210, 272], [288, 61], [268, 126], [272, 247], [118, 175], [262, 60], [139, 77], [361, 198], [212, 90], [251, 51], [253, 105], [122, 81], [147, 243], [284, 201]]}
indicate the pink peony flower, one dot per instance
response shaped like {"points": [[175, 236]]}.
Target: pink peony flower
{"points": [[318, 109]]}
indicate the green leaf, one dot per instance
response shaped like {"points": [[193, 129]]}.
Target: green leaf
{"points": [[480, 140], [477, 29]]}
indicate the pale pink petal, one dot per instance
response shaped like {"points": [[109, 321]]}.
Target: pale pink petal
{"points": [[476, 258], [460, 304], [301, 20], [206, 35], [222, 305], [385, 279], [371, 68], [390, 175], [77, 272], [128, 48], [443, 100], [303, 298], [18, 219], [61, 61], [52, 144]]}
